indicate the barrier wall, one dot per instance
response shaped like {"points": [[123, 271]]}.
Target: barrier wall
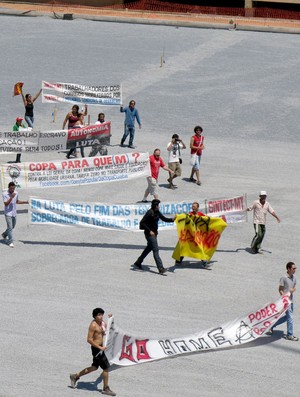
{"points": [[164, 6]]}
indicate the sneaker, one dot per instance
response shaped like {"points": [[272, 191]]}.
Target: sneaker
{"points": [[192, 180], [145, 201], [292, 337], [108, 391], [162, 270], [138, 265], [73, 379], [11, 245]]}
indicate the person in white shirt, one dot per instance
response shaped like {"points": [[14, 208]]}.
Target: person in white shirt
{"points": [[174, 161], [260, 209], [10, 199]]}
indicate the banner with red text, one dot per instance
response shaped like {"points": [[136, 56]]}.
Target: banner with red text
{"points": [[113, 216], [62, 173], [124, 349], [198, 236], [106, 94], [231, 210], [29, 141]]}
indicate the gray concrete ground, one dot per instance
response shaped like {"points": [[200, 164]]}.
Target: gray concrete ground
{"points": [[243, 88]]}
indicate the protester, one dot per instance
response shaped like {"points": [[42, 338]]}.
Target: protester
{"points": [[16, 128], [156, 162], [287, 284], [260, 208], [97, 146], [131, 113], [95, 336], [195, 212], [149, 224], [175, 160], [28, 103], [75, 119], [10, 199], [196, 145]]}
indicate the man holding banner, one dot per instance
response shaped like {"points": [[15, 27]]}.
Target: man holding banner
{"points": [[149, 224], [260, 209], [95, 338], [195, 212]]}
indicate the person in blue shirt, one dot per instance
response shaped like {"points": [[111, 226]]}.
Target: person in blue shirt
{"points": [[131, 113]]}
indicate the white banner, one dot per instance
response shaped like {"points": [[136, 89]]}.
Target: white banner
{"points": [[103, 215], [124, 349], [109, 95], [108, 216], [231, 210], [29, 141], [62, 173]]}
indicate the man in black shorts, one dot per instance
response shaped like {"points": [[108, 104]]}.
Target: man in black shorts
{"points": [[95, 335]]}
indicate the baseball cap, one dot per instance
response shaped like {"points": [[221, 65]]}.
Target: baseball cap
{"points": [[19, 119], [263, 193]]}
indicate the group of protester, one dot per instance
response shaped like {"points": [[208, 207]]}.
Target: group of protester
{"points": [[149, 222]]}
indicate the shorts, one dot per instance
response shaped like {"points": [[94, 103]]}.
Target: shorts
{"points": [[152, 186], [99, 360], [175, 167], [196, 162]]}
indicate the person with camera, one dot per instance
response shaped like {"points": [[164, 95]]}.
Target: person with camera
{"points": [[175, 161]]}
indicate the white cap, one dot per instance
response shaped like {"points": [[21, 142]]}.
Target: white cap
{"points": [[263, 193]]}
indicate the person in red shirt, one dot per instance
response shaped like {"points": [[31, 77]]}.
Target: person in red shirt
{"points": [[195, 212], [196, 145], [156, 162]]}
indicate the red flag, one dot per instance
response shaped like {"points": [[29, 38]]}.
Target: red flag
{"points": [[17, 88]]}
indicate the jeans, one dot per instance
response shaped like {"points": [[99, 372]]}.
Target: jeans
{"points": [[29, 121], [151, 246], [288, 317], [260, 231], [11, 223], [128, 131]]}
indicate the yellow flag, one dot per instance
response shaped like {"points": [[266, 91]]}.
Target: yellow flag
{"points": [[198, 236]]}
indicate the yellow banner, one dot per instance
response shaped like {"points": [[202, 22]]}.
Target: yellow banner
{"points": [[198, 236]]}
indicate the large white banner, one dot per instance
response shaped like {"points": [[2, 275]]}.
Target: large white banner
{"points": [[104, 215], [109, 216], [124, 349], [29, 141], [231, 210], [109, 95], [62, 173]]}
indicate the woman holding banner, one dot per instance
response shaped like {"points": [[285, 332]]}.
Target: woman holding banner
{"points": [[75, 119]]}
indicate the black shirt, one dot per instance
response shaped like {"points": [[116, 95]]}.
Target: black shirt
{"points": [[149, 223]]}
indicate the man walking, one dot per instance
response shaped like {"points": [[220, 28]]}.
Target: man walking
{"points": [[149, 224], [131, 113], [260, 209], [156, 162], [10, 199], [95, 335], [174, 162], [287, 284]]}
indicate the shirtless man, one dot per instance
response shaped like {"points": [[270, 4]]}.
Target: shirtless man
{"points": [[95, 335]]}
